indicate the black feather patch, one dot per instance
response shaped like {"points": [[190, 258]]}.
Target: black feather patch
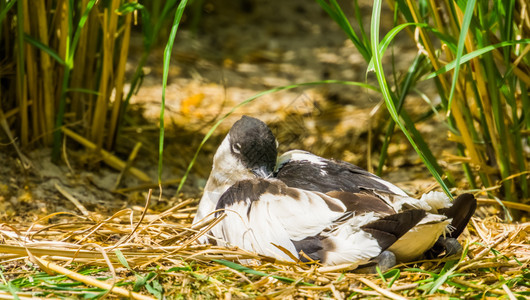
{"points": [[362, 203], [461, 211], [389, 229], [330, 176], [252, 189], [310, 246], [253, 143]]}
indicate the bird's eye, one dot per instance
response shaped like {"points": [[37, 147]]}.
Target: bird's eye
{"points": [[236, 148]]}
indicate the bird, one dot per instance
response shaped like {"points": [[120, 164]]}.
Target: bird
{"points": [[300, 207]]}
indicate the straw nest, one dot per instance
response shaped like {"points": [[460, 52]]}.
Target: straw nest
{"points": [[149, 255]]}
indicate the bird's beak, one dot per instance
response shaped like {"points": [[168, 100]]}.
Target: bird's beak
{"points": [[262, 171]]}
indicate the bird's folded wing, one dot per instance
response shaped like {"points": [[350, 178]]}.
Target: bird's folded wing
{"points": [[308, 171], [260, 212]]}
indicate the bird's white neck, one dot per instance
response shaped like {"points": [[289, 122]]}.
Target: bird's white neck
{"points": [[226, 171]]}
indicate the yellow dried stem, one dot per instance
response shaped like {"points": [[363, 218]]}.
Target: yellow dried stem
{"points": [[110, 21], [438, 21], [108, 158], [100, 111], [381, 291], [31, 75], [120, 78], [7, 295], [426, 41], [48, 97], [128, 164], [521, 74]]}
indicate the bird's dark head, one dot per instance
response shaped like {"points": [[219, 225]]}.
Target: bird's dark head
{"points": [[249, 149]]}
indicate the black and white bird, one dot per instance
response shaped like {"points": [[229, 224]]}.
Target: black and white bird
{"points": [[305, 207]]}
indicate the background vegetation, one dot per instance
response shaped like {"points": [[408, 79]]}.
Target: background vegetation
{"points": [[477, 55], [64, 72]]}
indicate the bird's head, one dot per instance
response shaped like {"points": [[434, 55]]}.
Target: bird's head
{"points": [[248, 151]]}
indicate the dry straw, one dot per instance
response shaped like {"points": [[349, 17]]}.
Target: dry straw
{"points": [[497, 260]]}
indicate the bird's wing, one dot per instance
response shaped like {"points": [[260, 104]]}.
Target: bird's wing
{"points": [[260, 212], [306, 170]]}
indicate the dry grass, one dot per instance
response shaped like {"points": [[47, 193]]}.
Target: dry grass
{"points": [[145, 255]]}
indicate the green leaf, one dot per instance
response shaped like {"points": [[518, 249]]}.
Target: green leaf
{"points": [[77, 34], [122, 259], [388, 38], [461, 41], [10, 287], [335, 12], [380, 273], [92, 295], [129, 7], [167, 57], [393, 275], [155, 288], [140, 282], [467, 57], [4, 11]]}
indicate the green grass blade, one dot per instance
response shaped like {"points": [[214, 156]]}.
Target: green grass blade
{"points": [[468, 14], [394, 275], [387, 96], [448, 270], [4, 11], [407, 84], [360, 23], [506, 22], [274, 90], [31, 40], [81, 90], [469, 56], [147, 28], [362, 47], [122, 259], [80, 25], [167, 57], [240, 268], [388, 39], [10, 287], [336, 13]]}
